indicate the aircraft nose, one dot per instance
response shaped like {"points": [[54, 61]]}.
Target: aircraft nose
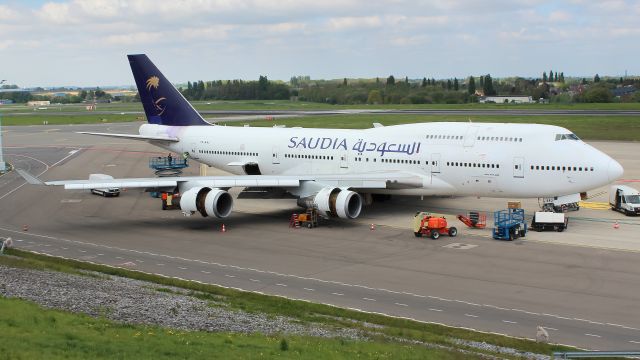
{"points": [[615, 170]]}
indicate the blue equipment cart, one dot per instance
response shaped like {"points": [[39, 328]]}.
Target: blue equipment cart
{"points": [[509, 224], [167, 166]]}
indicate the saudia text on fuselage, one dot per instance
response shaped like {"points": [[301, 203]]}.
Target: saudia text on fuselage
{"points": [[360, 146]]}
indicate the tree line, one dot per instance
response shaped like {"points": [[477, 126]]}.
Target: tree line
{"points": [[552, 86]]}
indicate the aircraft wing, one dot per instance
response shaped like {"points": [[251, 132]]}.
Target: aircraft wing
{"points": [[374, 180], [133, 137]]}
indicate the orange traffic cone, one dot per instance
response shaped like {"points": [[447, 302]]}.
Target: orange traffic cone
{"points": [[372, 227], [223, 229], [25, 227], [616, 225]]}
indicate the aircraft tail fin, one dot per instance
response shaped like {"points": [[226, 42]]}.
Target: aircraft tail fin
{"points": [[163, 103]]}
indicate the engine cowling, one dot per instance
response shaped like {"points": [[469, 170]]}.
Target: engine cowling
{"points": [[339, 202], [207, 201]]}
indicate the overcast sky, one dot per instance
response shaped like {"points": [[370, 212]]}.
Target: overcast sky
{"points": [[84, 42]]}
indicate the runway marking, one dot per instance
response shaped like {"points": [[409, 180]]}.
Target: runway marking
{"points": [[83, 251], [229, 276], [138, 260], [432, 309], [288, 275], [182, 268], [254, 280], [119, 257], [526, 312], [557, 316], [401, 304], [25, 183], [634, 342], [65, 158], [337, 294], [549, 328], [308, 289], [588, 321], [283, 285], [594, 335], [47, 245], [70, 201], [466, 302], [205, 272], [100, 254], [470, 315], [160, 264], [509, 322], [368, 299], [622, 326]]}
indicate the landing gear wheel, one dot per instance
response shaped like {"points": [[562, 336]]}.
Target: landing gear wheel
{"points": [[453, 231], [417, 234], [435, 234]]}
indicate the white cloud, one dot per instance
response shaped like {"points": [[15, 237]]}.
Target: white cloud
{"points": [[559, 16], [141, 38], [57, 13], [352, 22], [7, 14]]}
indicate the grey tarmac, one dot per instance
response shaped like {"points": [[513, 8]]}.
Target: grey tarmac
{"points": [[583, 285]]}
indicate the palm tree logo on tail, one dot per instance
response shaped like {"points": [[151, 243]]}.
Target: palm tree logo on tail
{"points": [[152, 84]]}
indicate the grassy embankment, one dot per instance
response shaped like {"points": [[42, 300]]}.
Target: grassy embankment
{"points": [[27, 329]]}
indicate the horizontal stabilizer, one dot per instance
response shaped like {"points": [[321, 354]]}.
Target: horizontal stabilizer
{"points": [[133, 137]]}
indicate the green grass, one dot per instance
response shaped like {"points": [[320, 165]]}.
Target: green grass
{"points": [[625, 128], [304, 311], [54, 119], [31, 332], [301, 105]]}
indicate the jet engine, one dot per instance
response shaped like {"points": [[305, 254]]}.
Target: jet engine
{"points": [[207, 201], [340, 202]]}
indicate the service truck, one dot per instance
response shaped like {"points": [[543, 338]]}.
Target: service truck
{"points": [[625, 199], [545, 220]]}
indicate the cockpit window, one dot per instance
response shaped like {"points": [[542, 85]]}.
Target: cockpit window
{"points": [[566, 137]]}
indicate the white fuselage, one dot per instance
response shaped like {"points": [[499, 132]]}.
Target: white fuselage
{"points": [[480, 159]]}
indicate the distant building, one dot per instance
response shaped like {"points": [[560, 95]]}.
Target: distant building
{"points": [[39, 103], [6, 101], [513, 99], [623, 91]]}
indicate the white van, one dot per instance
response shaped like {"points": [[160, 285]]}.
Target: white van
{"points": [[625, 199]]}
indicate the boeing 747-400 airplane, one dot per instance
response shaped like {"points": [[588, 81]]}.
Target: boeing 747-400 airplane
{"points": [[336, 169]]}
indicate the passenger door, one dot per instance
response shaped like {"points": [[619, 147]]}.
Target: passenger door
{"points": [[275, 155], [518, 167], [435, 163]]}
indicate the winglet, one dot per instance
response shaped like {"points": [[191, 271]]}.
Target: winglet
{"points": [[29, 178]]}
